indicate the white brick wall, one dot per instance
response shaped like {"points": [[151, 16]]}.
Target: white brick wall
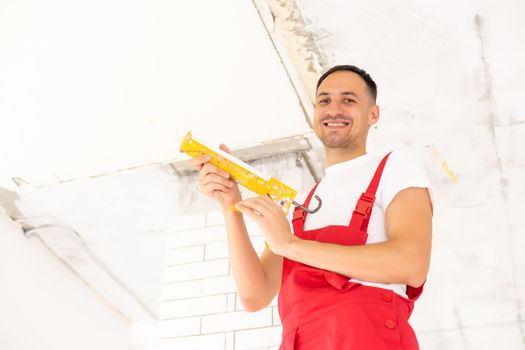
{"points": [[197, 236], [269, 336], [215, 341], [185, 272], [193, 306], [180, 327], [231, 321], [185, 255], [200, 308]]}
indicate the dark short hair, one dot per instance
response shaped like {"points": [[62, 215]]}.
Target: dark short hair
{"points": [[371, 85]]}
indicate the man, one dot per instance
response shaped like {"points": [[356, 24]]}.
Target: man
{"points": [[348, 275]]}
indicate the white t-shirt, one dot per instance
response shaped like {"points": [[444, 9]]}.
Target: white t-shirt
{"points": [[343, 184]]}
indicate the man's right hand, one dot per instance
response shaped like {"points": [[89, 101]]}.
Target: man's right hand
{"points": [[215, 182]]}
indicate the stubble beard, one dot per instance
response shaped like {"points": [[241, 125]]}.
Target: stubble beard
{"points": [[336, 141]]}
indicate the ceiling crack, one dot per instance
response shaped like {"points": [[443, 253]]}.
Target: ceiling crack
{"points": [[478, 25]]}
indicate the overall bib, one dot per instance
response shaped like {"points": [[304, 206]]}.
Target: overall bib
{"points": [[320, 309]]}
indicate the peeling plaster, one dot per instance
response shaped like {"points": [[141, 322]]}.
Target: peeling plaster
{"points": [[300, 44], [7, 201]]}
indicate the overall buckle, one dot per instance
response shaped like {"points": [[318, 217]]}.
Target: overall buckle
{"points": [[364, 204], [299, 214]]}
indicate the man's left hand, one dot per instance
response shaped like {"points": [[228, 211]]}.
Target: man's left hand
{"points": [[271, 219]]}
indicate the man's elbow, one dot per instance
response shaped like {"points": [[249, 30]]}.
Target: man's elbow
{"points": [[416, 265], [417, 276], [416, 281], [253, 304]]}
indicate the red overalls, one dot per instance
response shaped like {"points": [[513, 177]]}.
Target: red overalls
{"points": [[322, 310]]}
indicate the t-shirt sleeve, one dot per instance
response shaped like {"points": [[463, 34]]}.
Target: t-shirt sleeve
{"points": [[402, 170]]}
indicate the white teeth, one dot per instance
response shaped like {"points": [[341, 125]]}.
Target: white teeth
{"points": [[336, 124]]}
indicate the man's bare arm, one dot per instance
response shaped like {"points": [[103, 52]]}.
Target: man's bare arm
{"points": [[403, 258], [258, 279]]}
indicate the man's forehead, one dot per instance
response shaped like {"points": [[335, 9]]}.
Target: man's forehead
{"points": [[342, 82]]}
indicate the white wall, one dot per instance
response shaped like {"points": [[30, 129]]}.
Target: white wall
{"points": [[45, 306], [450, 83], [200, 308]]}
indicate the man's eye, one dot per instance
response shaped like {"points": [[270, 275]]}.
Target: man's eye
{"points": [[349, 100], [323, 101]]}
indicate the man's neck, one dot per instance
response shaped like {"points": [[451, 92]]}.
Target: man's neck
{"points": [[339, 155]]}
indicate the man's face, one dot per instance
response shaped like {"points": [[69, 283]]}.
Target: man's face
{"points": [[344, 111]]}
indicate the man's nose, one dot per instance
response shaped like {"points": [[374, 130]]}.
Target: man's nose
{"points": [[334, 110]]}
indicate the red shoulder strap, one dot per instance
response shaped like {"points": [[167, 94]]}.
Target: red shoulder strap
{"points": [[298, 213], [363, 208]]}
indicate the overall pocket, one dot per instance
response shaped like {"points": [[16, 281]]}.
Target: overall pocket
{"points": [[384, 318]]}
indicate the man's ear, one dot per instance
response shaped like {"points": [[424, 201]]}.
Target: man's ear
{"points": [[373, 115]]}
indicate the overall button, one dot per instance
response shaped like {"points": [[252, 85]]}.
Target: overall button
{"points": [[387, 297], [390, 324]]}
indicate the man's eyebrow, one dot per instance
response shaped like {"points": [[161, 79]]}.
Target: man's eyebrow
{"points": [[345, 93]]}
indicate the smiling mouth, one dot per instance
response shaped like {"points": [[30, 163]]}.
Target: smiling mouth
{"points": [[336, 125]]}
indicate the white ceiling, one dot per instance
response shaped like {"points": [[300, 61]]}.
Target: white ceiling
{"points": [[88, 88]]}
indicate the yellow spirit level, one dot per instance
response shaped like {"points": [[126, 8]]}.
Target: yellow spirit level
{"points": [[244, 174]]}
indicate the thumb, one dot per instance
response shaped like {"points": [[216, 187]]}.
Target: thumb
{"points": [[224, 148]]}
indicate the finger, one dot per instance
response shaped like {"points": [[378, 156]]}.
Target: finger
{"points": [[255, 204], [271, 202], [214, 178], [199, 161], [209, 168], [275, 203], [211, 188], [264, 202], [252, 213]]}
